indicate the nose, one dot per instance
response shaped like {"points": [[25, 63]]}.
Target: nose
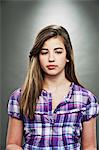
{"points": [[51, 57]]}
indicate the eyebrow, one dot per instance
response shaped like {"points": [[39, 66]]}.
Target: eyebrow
{"points": [[54, 48]]}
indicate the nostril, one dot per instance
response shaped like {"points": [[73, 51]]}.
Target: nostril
{"points": [[51, 60]]}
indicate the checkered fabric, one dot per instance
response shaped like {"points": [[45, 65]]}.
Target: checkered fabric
{"points": [[61, 128]]}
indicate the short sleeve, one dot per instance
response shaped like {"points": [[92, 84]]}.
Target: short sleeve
{"points": [[13, 105], [92, 107]]}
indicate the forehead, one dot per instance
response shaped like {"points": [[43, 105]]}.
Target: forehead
{"points": [[54, 41]]}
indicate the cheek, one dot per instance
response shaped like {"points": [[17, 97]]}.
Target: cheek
{"points": [[42, 61], [62, 62], [63, 59]]}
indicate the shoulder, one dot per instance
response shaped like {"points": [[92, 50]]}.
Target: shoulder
{"points": [[84, 94], [15, 95], [13, 104]]}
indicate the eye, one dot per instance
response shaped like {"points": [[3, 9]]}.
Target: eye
{"points": [[58, 52], [43, 53]]}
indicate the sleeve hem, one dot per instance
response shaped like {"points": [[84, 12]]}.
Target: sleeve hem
{"points": [[14, 116], [90, 117]]}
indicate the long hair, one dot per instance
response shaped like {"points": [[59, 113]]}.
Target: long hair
{"points": [[34, 80]]}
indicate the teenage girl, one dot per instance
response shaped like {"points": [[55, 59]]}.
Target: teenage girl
{"points": [[52, 110]]}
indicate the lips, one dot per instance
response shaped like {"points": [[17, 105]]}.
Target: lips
{"points": [[51, 66]]}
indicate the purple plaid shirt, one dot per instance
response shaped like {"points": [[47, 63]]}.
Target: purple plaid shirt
{"points": [[59, 129]]}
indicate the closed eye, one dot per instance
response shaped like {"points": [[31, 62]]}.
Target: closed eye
{"points": [[43, 53], [58, 52]]}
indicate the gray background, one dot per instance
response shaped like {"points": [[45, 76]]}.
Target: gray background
{"points": [[21, 20]]}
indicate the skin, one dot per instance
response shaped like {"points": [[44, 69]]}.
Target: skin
{"points": [[89, 135], [14, 134], [52, 52]]}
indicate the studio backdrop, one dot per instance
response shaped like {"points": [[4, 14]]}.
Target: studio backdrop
{"points": [[21, 21]]}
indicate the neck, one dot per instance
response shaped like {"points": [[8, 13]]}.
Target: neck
{"points": [[51, 82]]}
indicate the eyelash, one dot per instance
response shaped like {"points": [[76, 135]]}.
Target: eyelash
{"points": [[58, 52], [44, 53]]}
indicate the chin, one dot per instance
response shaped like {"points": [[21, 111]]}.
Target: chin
{"points": [[52, 73]]}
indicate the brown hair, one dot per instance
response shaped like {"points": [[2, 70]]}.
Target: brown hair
{"points": [[34, 80]]}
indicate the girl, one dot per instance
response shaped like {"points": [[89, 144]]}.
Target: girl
{"points": [[52, 110]]}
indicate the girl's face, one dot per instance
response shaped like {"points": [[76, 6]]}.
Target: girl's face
{"points": [[52, 56]]}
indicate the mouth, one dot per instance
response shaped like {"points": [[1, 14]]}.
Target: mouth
{"points": [[51, 67]]}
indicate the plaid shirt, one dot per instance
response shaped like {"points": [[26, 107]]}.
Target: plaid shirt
{"points": [[59, 129]]}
